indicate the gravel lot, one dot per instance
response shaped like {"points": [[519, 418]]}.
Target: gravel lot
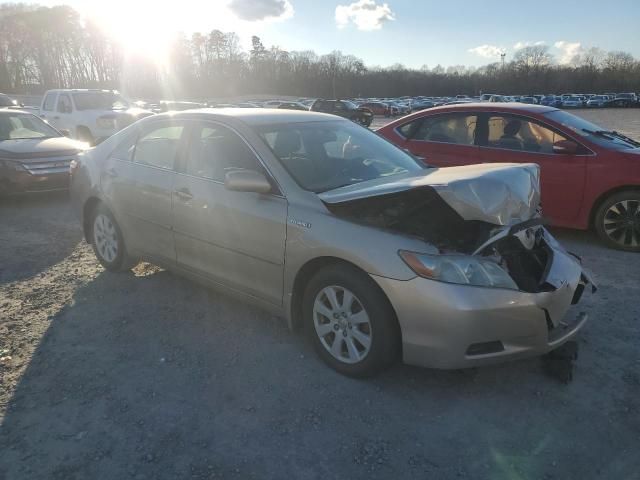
{"points": [[145, 375]]}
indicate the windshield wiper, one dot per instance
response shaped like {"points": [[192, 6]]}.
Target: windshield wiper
{"points": [[612, 135], [624, 137]]}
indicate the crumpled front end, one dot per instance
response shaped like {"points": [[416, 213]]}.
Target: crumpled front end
{"points": [[499, 287], [445, 325]]}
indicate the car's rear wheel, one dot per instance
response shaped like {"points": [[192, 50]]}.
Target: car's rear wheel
{"points": [[617, 221], [350, 321], [108, 242]]}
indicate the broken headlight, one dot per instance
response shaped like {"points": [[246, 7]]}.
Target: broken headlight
{"points": [[460, 269]]}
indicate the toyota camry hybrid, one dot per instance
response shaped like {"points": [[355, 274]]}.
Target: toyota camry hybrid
{"points": [[342, 233]]}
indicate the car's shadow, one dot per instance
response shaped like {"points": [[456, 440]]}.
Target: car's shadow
{"points": [[38, 231], [155, 375]]}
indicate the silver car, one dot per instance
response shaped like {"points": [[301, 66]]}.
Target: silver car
{"points": [[343, 234]]}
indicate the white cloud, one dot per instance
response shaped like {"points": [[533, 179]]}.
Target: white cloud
{"points": [[365, 15], [568, 50], [255, 10], [521, 45], [487, 51]]}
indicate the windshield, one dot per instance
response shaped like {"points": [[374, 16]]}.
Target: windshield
{"points": [[322, 156], [19, 126], [99, 101], [350, 105], [588, 130]]}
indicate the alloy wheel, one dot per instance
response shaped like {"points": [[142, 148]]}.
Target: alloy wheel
{"points": [[621, 223], [342, 324], [105, 237]]}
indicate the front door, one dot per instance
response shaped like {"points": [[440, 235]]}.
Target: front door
{"points": [[513, 138], [61, 119], [236, 239], [444, 140]]}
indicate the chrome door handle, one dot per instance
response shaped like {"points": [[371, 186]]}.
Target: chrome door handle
{"points": [[183, 194]]}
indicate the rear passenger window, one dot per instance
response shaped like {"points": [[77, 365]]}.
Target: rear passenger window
{"points": [[49, 102], [159, 146], [407, 129], [457, 128], [216, 150]]}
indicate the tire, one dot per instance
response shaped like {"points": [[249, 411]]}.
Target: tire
{"points": [[108, 242], [617, 221], [84, 135], [367, 333]]}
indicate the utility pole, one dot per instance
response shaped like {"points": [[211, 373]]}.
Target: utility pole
{"points": [[502, 57]]}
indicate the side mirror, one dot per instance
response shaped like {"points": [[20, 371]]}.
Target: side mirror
{"points": [[246, 181], [565, 147], [66, 133]]}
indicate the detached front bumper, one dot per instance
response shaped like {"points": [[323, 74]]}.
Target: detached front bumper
{"points": [[457, 326]]}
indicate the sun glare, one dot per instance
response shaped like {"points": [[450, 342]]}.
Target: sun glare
{"points": [[146, 29]]}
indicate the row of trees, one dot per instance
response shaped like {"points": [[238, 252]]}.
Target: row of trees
{"points": [[43, 48]]}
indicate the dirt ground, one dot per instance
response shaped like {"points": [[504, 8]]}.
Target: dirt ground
{"points": [[148, 376]]}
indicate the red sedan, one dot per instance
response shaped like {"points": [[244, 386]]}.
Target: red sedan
{"points": [[589, 176]]}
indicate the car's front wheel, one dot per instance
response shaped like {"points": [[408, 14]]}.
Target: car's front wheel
{"points": [[350, 321], [108, 242], [617, 221]]}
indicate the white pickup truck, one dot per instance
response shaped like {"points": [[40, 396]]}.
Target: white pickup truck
{"points": [[88, 115]]}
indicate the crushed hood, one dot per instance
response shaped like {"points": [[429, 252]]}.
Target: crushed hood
{"points": [[497, 193]]}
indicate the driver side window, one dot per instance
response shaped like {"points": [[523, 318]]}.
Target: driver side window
{"points": [[516, 133]]}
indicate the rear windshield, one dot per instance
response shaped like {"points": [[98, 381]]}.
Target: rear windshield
{"points": [[99, 101]]}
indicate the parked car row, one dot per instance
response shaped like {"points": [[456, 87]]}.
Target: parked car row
{"points": [[570, 100], [462, 133]]}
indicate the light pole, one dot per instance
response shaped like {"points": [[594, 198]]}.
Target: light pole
{"points": [[502, 57]]}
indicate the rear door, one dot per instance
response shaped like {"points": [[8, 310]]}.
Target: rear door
{"points": [[443, 140], [236, 239], [518, 139], [157, 150]]}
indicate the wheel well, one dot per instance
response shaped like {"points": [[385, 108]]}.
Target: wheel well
{"points": [[84, 128], [88, 209], [602, 198], [305, 274]]}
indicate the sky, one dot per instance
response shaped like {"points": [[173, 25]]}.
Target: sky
{"points": [[411, 32]]}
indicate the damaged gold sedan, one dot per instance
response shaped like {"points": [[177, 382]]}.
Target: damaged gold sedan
{"points": [[339, 231]]}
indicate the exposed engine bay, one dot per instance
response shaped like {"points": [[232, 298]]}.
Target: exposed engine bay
{"points": [[491, 211], [422, 213]]}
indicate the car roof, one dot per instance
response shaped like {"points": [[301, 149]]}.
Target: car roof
{"points": [[506, 107], [499, 107], [256, 116]]}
